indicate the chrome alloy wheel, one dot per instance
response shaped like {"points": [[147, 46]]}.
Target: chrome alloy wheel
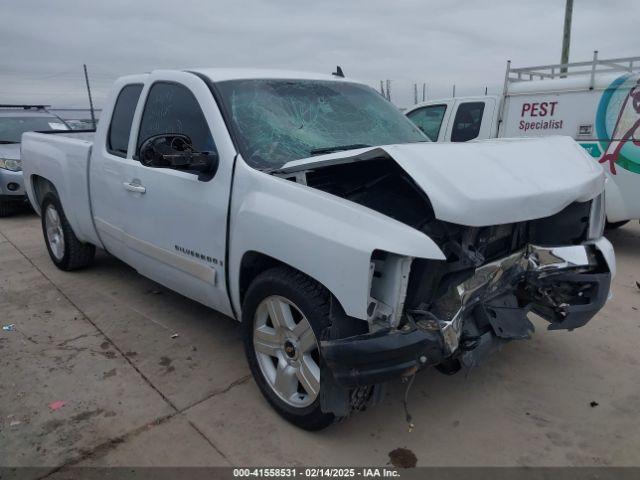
{"points": [[55, 234], [287, 351]]}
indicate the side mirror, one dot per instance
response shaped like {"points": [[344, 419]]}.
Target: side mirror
{"points": [[176, 151]]}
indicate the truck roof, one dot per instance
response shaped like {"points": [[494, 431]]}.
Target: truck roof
{"points": [[223, 74]]}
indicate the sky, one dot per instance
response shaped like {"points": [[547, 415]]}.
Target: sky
{"points": [[43, 43]]}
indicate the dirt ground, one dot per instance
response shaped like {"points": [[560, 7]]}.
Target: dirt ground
{"points": [[92, 375]]}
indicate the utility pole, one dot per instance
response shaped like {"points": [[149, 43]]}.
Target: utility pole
{"points": [[424, 92], [454, 90], [389, 90], [415, 93], [566, 36], [86, 79], [382, 89]]}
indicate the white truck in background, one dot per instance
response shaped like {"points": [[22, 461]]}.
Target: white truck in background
{"points": [[353, 250], [597, 103]]}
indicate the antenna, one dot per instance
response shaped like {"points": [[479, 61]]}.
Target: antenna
{"points": [[86, 78], [338, 72]]}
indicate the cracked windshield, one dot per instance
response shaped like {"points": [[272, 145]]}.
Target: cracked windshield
{"points": [[282, 120]]}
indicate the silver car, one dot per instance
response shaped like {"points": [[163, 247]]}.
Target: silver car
{"points": [[14, 121]]}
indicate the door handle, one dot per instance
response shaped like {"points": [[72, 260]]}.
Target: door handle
{"points": [[134, 187]]}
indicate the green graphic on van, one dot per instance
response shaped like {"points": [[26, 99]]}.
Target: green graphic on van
{"points": [[618, 124], [592, 149]]}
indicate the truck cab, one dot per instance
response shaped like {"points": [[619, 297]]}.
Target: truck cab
{"points": [[458, 119]]}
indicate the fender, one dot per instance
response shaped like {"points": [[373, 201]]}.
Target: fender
{"points": [[326, 237], [64, 162]]}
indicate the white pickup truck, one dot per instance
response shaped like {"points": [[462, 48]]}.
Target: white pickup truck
{"points": [[595, 102], [353, 250]]}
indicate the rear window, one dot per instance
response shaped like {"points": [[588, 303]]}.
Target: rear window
{"points": [[121, 120], [466, 125]]}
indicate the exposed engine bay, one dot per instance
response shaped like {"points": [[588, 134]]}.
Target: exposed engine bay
{"points": [[453, 313]]}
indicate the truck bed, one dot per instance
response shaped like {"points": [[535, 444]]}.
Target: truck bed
{"points": [[62, 158]]}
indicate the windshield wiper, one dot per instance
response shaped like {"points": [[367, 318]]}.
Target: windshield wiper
{"points": [[7, 142], [320, 151]]}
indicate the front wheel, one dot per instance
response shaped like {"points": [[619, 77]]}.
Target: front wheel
{"points": [[66, 251], [284, 313]]}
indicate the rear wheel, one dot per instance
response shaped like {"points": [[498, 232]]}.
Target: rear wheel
{"points": [[66, 251], [284, 315]]}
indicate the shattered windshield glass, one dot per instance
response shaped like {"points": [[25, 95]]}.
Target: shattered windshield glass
{"points": [[282, 120]]}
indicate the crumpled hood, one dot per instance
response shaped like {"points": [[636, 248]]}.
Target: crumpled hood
{"points": [[10, 151], [488, 182]]}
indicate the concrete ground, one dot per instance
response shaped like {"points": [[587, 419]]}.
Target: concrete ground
{"points": [[100, 340]]}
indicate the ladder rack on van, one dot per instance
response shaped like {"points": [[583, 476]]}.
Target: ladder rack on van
{"points": [[595, 66]]}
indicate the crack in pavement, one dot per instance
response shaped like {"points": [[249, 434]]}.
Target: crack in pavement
{"points": [[220, 391], [111, 443]]}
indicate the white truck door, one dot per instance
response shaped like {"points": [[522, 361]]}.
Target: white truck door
{"points": [[473, 119], [175, 223], [108, 164], [432, 119]]}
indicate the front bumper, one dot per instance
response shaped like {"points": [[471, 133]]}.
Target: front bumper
{"points": [[11, 185], [566, 286]]}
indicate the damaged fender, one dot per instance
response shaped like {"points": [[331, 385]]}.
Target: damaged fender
{"points": [[328, 238]]}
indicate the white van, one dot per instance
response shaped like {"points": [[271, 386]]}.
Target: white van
{"points": [[597, 103]]}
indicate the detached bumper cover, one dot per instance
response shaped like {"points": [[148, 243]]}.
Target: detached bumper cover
{"points": [[566, 285], [379, 357]]}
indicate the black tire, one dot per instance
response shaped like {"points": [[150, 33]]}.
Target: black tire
{"points": [[614, 225], [77, 254], [313, 301], [7, 209]]}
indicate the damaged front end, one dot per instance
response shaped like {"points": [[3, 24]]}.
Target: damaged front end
{"points": [[459, 311], [454, 312]]}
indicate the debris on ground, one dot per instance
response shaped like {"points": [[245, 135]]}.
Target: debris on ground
{"points": [[638, 284], [175, 335], [403, 458], [154, 292], [408, 417], [594, 404], [14, 423], [57, 405], [9, 328]]}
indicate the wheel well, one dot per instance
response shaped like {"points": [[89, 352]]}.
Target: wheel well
{"points": [[252, 265], [41, 186]]}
